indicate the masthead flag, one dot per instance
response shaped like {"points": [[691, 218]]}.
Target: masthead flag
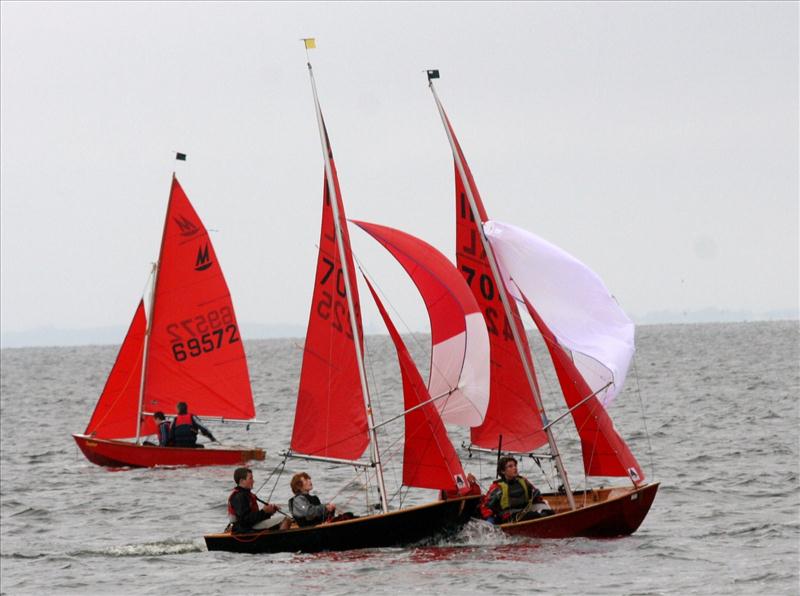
{"points": [[180, 156], [310, 43]]}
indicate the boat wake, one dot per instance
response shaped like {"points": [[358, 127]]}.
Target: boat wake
{"points": [[149, 549], [477, 533]]}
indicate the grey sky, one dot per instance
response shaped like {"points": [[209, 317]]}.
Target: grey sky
{"points": [[658, 143]]}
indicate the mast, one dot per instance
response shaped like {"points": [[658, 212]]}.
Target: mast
{"points": [[501, 290], [152, 305], [145, 349], [326, 153]]}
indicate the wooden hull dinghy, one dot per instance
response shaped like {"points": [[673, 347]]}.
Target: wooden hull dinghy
{"points": [[334, 417], [590, 341], [599, 513], [395, 528]]}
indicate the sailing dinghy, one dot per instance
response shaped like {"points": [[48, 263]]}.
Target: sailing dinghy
{"points": [[189, 349], [334, 419], [590, 342]]}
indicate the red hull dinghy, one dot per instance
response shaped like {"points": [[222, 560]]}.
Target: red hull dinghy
{"points": [[185, 347]]}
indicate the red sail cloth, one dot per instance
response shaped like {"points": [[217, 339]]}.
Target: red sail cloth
{"points": [[330, 416], [605, 452], [195, 353], [446, 300], [512, 411], [114, 415], [429, 458]]}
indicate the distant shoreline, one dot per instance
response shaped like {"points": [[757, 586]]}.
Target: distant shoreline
{"points": [[102, 336]]}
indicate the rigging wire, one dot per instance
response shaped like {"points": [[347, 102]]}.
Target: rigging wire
{"points": [[644, 419], [377, 394], [422, 347], [282, 466]]}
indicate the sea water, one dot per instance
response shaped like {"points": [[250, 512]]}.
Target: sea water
{"points": [[719, 403]]}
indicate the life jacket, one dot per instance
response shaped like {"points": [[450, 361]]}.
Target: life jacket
{"points": [[253, 504], [304, 521], [508, 500], [182, 431]]}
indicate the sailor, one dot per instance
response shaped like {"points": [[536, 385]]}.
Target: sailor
{"points": [[306, 508], [185, 427], [243, 512], [512, 497], [163, 429]]}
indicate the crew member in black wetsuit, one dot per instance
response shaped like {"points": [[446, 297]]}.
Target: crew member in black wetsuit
{"points": [[243, 511]]}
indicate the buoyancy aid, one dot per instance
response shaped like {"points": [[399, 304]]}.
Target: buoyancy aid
{"points": [[183, 432], [232, 517], [315, 512], [511, 497]]}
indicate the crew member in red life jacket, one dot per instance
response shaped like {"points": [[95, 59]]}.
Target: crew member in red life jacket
{"points": [[185, 427], [512, 497], [163, 429], [243, 511]]}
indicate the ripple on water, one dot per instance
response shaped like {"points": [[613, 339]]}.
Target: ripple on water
{"points": [[723, 430]]}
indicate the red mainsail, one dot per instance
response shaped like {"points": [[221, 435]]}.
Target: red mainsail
{"points": [[429, 458], [605, 452], [330, 417], [114, 415], [195, 352], [512, 411]]}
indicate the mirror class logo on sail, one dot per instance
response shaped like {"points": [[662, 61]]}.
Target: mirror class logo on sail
{"points": [[188, 229]]}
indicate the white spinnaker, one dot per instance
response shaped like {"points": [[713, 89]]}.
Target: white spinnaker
{"points": [[461, 363], [572, 300]]}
